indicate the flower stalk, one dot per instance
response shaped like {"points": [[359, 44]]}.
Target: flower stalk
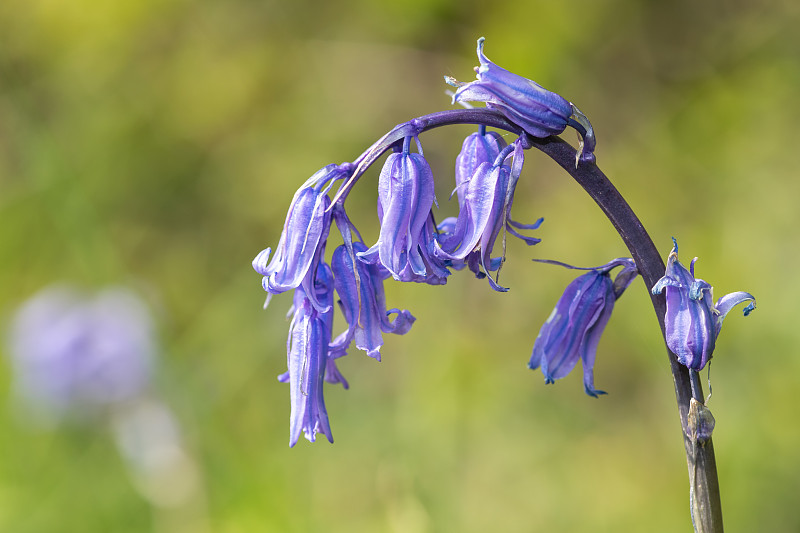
{"points": [[704, 485], [411, 247]]}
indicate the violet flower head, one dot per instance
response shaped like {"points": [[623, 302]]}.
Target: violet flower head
{"points": [[304, 234], [405, 198], [477, 148], [539, 112], [693, 321], [74, 353], [360, 287], [574, 327], [307, 358], [486, 199]]}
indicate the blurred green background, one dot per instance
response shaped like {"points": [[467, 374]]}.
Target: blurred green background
{"points": [[157, 143]]}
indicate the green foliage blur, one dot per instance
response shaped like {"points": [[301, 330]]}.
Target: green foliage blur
{"points": [[157, 144]]}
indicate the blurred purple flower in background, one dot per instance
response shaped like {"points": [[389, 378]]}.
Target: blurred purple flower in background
{"points": [[75, 352], [692, 320], [574, 327], [90, 355]]}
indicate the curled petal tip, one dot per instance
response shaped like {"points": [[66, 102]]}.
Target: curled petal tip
{"points": [[481, 56], [586, 141], [261, 261], [594, 393], [749, 309]]}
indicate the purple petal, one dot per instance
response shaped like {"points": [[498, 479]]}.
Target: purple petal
{"points": [[304, 233], [574, 328], [530, 241], [480, 199], [363, 303], [689, 319], [333, 375], [477, 148], [308, 359], [689, 326], [590, 342], [728, 302], [584, 309], [517, 225], [405, 198]]}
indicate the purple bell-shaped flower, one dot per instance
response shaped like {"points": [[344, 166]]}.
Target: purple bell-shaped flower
{"points": [[539, 112], [574, 327], [693, 321]]}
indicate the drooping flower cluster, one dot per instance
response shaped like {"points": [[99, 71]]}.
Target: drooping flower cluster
{"points": [[410, 248], [693, 321]]}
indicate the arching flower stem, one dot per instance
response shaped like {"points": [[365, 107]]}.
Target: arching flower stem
{"points": [[706, 507]]}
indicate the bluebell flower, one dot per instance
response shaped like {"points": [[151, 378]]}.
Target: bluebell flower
{"points": [[486, 199], [305, 231], [574, 327], [693, 321], [539, 112], [75, 353], [363, 303], [405, 198], [479, 147], [308, 358]]}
